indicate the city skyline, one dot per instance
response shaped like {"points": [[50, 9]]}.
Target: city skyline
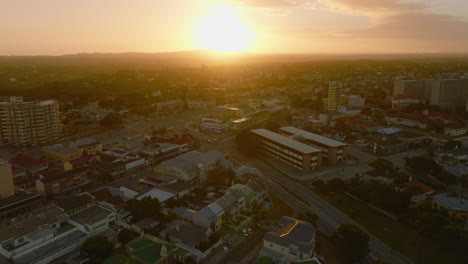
{"points": [[52, 27]]}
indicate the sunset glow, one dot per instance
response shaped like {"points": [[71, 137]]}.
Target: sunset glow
{"points": [[221, 30]]}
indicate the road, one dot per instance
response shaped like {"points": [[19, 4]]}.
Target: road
{"points": [[330, 218]]}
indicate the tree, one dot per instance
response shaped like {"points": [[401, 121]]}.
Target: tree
{"points": [[422, 165], [381, 164], [97, 247], [309, 217], [112, 119], [126, 235], [146, 207], [352, 241]]}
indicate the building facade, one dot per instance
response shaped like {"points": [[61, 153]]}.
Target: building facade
{"points": [[334, 151], [30, 122], [299, 155]]}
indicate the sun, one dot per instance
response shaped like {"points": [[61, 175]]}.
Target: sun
{"points": [[221, 30]]}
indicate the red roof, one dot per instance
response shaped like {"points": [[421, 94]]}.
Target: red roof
{"points": [[81, 160], [424, 187], [28, 161]]}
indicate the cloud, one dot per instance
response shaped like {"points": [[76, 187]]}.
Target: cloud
{"points": [[371, 7], [264, 3], [407, 32], [422, 26]]}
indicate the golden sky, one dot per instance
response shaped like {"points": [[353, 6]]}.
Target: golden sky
{"points": [[54, 27]]}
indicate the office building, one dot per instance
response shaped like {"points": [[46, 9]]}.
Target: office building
{"points": [[29, 122], [333, 151], [7, 187], [288, 150]]}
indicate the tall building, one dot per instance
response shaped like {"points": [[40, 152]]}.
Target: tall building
{"points": [[29, 122], [449, 93], [411, 87], [334, 92], [7, 188]]}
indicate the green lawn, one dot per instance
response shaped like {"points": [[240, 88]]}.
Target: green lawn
{"points": [[395, 234]]}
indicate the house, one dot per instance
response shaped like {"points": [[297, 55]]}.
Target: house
{"points": [[63, 182], [292, 242], [456, 207], [190, 167], [40, 237], [254, 193]]}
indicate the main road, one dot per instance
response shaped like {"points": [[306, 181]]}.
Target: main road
{"points": [[304, 199]]}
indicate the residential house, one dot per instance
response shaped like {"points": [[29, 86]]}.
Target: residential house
{"points": [[456, 207], [292, 242]]}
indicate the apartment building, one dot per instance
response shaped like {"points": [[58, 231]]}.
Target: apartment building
{"points": [[288, 150], [29, 122], [333, 151]]}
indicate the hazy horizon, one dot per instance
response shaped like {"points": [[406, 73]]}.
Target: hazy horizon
{"points": [[51, 27]]}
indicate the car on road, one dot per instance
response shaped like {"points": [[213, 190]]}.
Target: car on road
{"points": [[226, 249]]}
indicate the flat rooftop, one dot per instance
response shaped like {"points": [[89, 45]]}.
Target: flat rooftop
{"points": [[286, 141], [50, 248], [31, 223], [314, 137], [91, 215]]}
